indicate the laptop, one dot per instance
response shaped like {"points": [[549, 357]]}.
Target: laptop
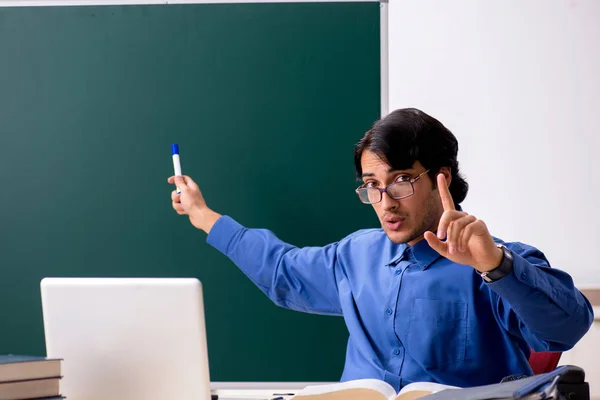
{"points": [[127, 338]]}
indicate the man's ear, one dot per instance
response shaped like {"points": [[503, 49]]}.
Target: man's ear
{"points": [[447, 174]]}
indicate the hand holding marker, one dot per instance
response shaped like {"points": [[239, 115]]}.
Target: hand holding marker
{"points": [[176, 161], [190, 202]]}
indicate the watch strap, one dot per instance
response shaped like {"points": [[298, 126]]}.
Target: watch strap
{"points": [[505, 267]]}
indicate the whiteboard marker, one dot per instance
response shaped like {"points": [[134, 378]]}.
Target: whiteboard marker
{"points": [[176, 162]]}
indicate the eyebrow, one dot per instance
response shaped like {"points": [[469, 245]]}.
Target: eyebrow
{"points": [[389, 171]]}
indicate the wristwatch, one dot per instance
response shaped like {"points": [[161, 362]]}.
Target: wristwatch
{"points": [[505, 267]]}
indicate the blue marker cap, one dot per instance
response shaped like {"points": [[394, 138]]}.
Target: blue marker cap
{"points": [[175, 148]]}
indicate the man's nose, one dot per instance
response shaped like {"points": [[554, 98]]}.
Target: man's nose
{"points": [[388, 203]]}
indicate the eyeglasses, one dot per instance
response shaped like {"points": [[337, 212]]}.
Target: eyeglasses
{"points": [[396, 190]]}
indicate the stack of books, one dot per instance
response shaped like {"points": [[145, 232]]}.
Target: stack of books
{"points": [[29, 377]]}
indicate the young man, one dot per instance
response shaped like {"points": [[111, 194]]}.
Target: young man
{"points": [[431, 296]]}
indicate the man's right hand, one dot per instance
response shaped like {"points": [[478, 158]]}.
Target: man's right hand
{"points": [[191, 203]]}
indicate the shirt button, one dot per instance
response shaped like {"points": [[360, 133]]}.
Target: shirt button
{"points": [[398, 271], [396, 351], [389, 311]]}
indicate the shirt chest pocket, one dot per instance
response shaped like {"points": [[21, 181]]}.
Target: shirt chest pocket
{"points": [[437, 332]]}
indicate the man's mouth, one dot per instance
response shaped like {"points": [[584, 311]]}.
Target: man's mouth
{"points": [[394, 223]]}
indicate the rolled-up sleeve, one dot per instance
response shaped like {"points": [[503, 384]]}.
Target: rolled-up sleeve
{"points": [[302, 279]]}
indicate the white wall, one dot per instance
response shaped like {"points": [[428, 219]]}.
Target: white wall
{"points": [[518, 83]]}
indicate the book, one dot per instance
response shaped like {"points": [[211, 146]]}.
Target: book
{"points": [[30, 389], [369, 389], [23, 367], [536, 387]]}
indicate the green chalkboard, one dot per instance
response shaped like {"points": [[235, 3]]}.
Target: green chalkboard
{"points": [[266, 102]]}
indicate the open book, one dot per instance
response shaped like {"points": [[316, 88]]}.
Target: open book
{"points": [[369, 389]]}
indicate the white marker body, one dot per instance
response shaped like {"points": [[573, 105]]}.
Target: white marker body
{"points": [[177, 167]]}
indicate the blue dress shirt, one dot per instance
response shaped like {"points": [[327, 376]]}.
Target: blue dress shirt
{"points": [[413, 315]]}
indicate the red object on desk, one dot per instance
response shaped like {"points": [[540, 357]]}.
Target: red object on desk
{"points": [[544, 361]]}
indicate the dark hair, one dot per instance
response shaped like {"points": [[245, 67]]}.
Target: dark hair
{"points": [[408, 135]]}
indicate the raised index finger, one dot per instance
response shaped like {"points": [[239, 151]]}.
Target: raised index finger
{"points": [[447, 201]]}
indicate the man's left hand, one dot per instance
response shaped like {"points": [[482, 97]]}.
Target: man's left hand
{"points": [[468, 240]]}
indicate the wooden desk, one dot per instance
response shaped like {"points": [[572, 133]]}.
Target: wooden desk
{"points": [[585, 353], [593, 295]]}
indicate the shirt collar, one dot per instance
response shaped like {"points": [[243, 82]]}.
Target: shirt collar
{"points": [[400, 254], [422, 253]]}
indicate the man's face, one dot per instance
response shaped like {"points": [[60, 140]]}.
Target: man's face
{"points": [[407, 219]]}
